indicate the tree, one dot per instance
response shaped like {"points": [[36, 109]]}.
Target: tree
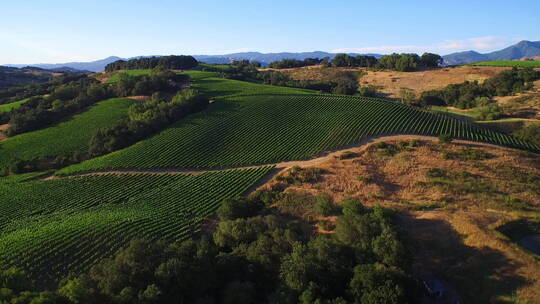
{"points": [[324, 205], [352, 207], [431, 60]]}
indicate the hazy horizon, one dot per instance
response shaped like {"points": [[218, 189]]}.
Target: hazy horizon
{"points": [[63, 31]]}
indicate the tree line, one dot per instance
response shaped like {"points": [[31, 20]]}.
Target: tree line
{"points": [[255, 255], [167, 62], [398, 62]]}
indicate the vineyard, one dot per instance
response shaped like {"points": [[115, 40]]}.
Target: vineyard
{"points": [[66, 137], [509, 63], [259, 129], [53, 227]]}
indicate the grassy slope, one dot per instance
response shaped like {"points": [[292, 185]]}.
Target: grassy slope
{"points": [[258, 129], [508, 63], [12, 105], [66, 137], [53, 227]]}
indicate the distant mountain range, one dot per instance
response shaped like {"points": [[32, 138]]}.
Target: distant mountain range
{"points": [[517, 51]]}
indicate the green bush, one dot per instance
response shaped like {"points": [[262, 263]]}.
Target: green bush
{"points": [[352, 207], [324, 205], [445, 138]]}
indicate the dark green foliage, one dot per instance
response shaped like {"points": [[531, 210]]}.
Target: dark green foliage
{"points": [[63, 101], [347, 155], [144, 119], [260, 259], [344, 60], [340, 82], [530, 133], [436, 173], [351, 207], [400, 62], [294, 63], [234, 208], [467, 154], [445, 138], [324, 205], [14, 77], [431, 60], [464, 95], [167, 62], [490, 112], [298, 175]]}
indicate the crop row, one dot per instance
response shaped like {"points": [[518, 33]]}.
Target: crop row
{"points": [[259, 129], [53, 227]]}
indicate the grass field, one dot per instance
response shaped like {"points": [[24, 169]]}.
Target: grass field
{"points": [[65, 137], [53, 227], [12, 105], [259, 129], [509, 63]]}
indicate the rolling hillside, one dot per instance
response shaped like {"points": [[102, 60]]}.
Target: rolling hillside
{"points": [[55, 227], [258, 129], [65, 137]]}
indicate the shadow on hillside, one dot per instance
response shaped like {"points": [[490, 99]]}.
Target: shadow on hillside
{"points": [[478, 275]]}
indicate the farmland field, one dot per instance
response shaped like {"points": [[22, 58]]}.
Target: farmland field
{"points": [[52, 227], [12, 105], [509, 63], [65, 137], [259, 129]]}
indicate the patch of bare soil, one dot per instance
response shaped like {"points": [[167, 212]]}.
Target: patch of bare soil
{"points": [[450, 220], [3, 128], [139, 97]]}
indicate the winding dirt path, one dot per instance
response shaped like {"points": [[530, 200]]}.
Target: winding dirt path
{"points": [[281, 166]]}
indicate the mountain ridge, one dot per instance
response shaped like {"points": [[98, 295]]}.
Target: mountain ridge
{"points": [[519, 50]]}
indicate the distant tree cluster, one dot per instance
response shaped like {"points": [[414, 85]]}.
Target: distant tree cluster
{"points": [[344, 60], [342, 82], [471, 94], [398, 62], [252, 256], [166, 62], [409, 62], [294, 63]]}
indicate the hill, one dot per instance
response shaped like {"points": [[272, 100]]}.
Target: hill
{"points": [[10, 76], [94, 66], [521, 49], [64, 138], [257, 124]]}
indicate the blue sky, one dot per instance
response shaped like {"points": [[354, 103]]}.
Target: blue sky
{"points": [[37, 31]]}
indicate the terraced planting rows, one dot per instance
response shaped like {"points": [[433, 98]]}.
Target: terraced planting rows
{"points": [[258, 129], [66, 137], [53, 227]]}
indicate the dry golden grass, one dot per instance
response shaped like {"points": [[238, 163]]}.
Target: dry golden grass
{"points": [[452, 234], [391, 82]]}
